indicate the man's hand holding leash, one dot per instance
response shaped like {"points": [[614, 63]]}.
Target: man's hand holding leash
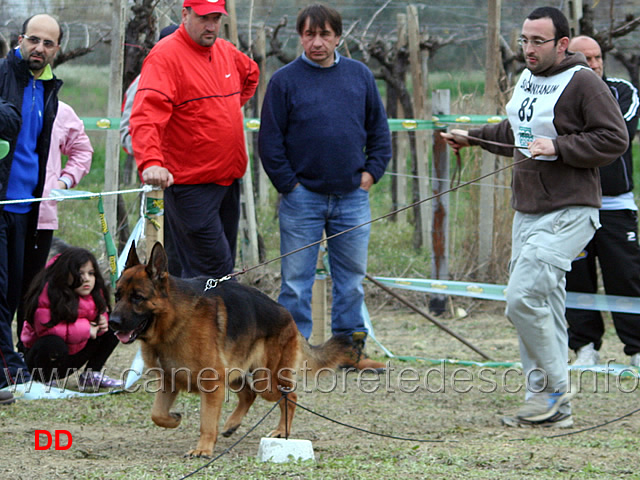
{"points": [[457, 138]]}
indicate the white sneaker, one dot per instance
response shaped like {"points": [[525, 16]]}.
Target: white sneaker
{"points": [[635, 360], [588, 355], [542, 406], [559, 420]]}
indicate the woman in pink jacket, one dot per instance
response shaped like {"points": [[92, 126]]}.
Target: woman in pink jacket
{"points": [[67, 138], [67, 321]]}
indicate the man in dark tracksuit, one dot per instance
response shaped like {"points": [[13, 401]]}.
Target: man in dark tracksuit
{"points": [[615, 244], [28, 90]]}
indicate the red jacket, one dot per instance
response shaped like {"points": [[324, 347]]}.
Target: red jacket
{"points": [[187, 112], [75, 335]]}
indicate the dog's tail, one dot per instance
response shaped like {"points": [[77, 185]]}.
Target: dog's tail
{"points": [[331, 354]]}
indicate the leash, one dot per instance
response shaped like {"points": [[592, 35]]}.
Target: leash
{"points": [[353, 427], [480, 140], [228, 449], [497, 144], [212, 283], [286, 399]]}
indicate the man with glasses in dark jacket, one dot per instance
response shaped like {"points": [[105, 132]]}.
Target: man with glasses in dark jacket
{"points": [[29, 103]]}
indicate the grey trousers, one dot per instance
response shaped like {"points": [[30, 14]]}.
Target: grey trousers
{"points": [[543, 246]]}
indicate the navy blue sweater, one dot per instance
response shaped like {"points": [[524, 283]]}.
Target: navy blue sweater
{"points": [[323, 127]]}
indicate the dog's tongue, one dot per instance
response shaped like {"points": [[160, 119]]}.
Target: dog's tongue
{"points": [[124, 337]]}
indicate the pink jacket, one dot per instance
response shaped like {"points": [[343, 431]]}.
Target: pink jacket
{"points": [[75, 335], [69, 138]]}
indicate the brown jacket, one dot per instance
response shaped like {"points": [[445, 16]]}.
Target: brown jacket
{"points": [[591, 133]]}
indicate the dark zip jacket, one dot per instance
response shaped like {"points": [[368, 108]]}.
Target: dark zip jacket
{"points": [[617, 177], [14, 77]]}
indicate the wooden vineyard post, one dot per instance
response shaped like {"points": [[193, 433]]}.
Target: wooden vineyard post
{"points": [[321, 326], [154, 224]]}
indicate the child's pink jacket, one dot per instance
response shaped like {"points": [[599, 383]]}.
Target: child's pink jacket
{"points": [[67, 138], [75, 334]]}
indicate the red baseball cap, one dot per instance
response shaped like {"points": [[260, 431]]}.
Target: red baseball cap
{"points": [[205, 7]]}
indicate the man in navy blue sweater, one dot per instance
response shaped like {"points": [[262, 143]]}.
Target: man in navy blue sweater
{"points": [[324, 141]]}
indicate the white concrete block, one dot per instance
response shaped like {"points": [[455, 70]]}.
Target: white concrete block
{"points": [[280, 450]]}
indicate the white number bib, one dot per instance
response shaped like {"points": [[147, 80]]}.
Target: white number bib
{"points": [[530, 109]]}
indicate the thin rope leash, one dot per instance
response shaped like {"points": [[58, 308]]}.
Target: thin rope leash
{"points": [[437, 179], [420, 440], [586, 429], [437, 195], [228, 449], [497, 144], [394, 437]]}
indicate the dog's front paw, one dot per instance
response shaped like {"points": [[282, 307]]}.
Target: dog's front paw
{"points": [[168, 421], [277, 433], [197, 453]]}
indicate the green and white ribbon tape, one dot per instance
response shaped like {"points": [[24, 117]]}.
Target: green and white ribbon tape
{"points": [[437, 122], [487, 291]]}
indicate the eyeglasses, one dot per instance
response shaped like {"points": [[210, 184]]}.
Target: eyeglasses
{"points": [[523, 42], [36, 41]]}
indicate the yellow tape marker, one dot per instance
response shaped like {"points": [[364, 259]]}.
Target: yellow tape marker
{"points": [[103, 123]]}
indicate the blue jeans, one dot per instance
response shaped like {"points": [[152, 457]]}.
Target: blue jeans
{"points": [[303, 217]]}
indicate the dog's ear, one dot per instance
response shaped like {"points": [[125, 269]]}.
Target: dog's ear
{"points": [[132, 258], [158, 264]]}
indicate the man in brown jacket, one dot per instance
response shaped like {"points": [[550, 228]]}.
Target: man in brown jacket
{"points": [[564, 123]]}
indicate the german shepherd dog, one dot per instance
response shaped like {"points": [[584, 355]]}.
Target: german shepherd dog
{"points": [[201, 341]]}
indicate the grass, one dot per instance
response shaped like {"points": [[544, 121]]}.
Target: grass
{"points": [[460, 83], [86, 89], [114, 437], [462, 442]]}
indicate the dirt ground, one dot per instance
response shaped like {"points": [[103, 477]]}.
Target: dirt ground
{"points": [[438, 423]]}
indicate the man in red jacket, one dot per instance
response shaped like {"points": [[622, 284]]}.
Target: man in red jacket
{"points": [[188, 138]]}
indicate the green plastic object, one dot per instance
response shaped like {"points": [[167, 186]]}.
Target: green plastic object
{"points": [[112, 253], [4, 148]]}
